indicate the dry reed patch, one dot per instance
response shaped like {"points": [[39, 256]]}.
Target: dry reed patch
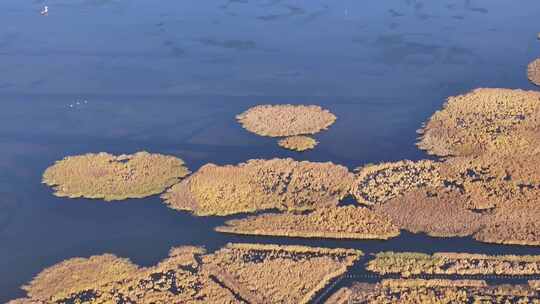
{"points": [[342, 296], [487, 182], [109, 177], [109, 279], [298, 143], [439, 214], [380, 183], [513, 224], [25, 301], [410, 263], [413, 283], [78, 275], [414, 291], [341, 223], [494, 120], [283, 184], [286, 120], [279, 274], [533, 72]]}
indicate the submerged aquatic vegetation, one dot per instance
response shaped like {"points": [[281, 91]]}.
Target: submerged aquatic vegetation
{"points": [[438, 214], [283, 184], [286, 120], [413, 291], [189, 275], [279, 274], [495, 120], [109, 177], [334, 222], [298, 143], [533, 71], [379, 183], [410, 263]]}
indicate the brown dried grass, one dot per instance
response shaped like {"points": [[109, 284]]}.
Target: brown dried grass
{"points": [[109, 279], [494, 120], [413, 283], [286, 120], [534, 284], [280, 274], [414, 291], [438, 214], [407, 264], [439, 198], [487, 182], [379, 183], [283, 184], [515, 224], [533, 71], [109, 177], [298, 143], [79, 274], [340, 223], [254, 272]]}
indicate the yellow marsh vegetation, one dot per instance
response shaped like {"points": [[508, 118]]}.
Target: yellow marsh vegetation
{"points": [[533, 71], [109, 177], [381, 182], [283, 184], [492, 196], [495, 120], [270, 273], [280, 274], [410, 263], [286, 120], [334, 222], [298, 143], [414, 291], [515, 223], [436, 214], [79, 274]]}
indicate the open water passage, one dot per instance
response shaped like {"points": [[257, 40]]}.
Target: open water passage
{"points": [[169, 77]]}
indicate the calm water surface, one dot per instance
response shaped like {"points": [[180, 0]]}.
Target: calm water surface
{"points": [[169, 77]]}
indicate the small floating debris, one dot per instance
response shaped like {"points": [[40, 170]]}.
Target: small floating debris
{"points": [[45, 11]]}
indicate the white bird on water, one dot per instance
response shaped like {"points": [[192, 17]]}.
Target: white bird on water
{"points": [[45, 11]]}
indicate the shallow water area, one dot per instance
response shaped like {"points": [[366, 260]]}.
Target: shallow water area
{"points": [[170, 78]]}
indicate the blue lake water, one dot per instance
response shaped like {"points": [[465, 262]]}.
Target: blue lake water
{"points": [[169, 77]]}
